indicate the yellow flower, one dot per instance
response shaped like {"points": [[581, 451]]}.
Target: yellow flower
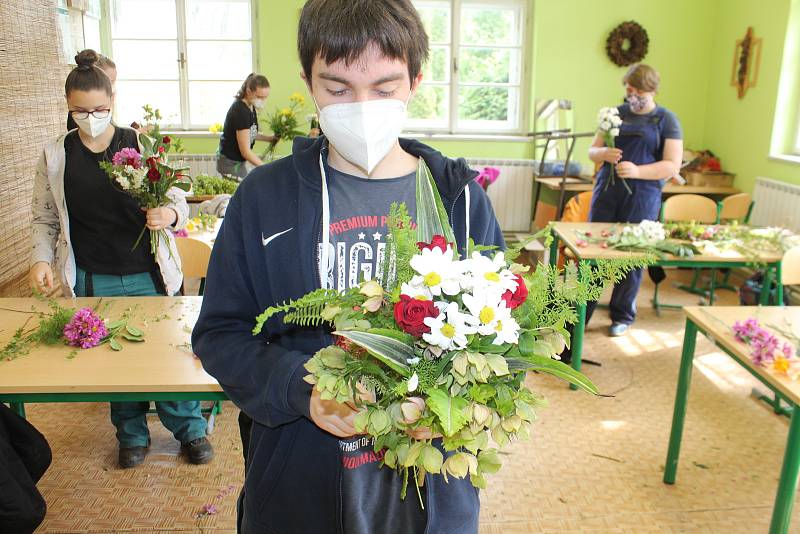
{"points": [[781, 365], [286, 111], [216, 127], [297, 98]]}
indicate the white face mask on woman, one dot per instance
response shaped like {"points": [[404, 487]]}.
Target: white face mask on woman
{"points": [[364, 132], [92, 126], [258, 103]]}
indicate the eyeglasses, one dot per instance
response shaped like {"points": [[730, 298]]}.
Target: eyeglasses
{"points": [[97, 114]]}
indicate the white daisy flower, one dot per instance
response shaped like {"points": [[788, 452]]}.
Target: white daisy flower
{"points": [[440, 274], [507, 330], [450, 329], [416, 289], [486, 308], [490, 273]]}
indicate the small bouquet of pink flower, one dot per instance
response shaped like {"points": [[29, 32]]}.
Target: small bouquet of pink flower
{"points": [[487, 177], [147, 177]]}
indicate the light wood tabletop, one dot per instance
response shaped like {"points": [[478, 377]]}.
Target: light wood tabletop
{"points": [[164, 362], [717, 322], [578, 185], [570, 234]]}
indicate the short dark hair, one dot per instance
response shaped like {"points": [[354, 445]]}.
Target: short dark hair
{"points": [[343, 29], [251, 83], [88, 76]]}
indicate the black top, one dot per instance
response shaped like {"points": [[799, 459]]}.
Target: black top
{"points": [[239, 117], [104, 221]]}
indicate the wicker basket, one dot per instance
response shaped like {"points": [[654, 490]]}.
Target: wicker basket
{"points": [[709, 179]]}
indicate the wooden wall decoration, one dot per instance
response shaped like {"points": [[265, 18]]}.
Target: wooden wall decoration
{"points": [[746, 62], [32, 111]]}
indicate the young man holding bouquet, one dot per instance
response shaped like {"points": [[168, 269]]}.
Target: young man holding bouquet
{"points": [[318, 219]]}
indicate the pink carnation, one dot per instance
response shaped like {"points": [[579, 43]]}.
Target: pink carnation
{"points": [[127, 156], [85, 329], [487, 177]]}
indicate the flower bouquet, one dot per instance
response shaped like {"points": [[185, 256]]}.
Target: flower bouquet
{"points": [[743, 239], [148, 177], [608, 123], [647, 236], [767, 350], [284, 124], [487, 177], [442, 344], [83, 329]]}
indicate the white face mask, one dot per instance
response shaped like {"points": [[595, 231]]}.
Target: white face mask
{"points": [[92, 126], [364, 132], [258, 103]]}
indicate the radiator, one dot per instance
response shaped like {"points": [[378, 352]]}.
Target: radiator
{"points": [[512, 193], [776, 204], [197, 163]]}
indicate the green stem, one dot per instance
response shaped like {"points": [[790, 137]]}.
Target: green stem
{"points": [[139, 239]]}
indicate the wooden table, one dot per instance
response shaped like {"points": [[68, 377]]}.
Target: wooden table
{"points": [[578, 185], [716, 324], [207, 236], [162, 368], [568, 234]]}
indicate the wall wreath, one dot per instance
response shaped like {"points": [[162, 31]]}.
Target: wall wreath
{"points": [[627, 44]]}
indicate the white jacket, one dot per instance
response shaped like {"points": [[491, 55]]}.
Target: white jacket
{"points": [[50, 237]]}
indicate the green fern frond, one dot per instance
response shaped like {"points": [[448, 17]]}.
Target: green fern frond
{"points": [[401, 248], [305, 311]]}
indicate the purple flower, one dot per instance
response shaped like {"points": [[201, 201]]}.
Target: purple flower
{"points": [[85, 329], [209, 509], [181, 233], [127, 156], [487, 177]]}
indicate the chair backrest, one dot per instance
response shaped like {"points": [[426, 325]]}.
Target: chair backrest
{"points": [[577, 209], [194, 256], [687, 207], [736, 207], [790, 267]]}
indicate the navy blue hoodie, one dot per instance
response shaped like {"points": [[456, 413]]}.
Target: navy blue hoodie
{"points": [[265, 254]]}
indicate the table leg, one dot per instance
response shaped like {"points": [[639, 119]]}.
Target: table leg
{"points": [[787, 486], [19, 408], [779, 283], [577, 339], [681, 397], [554, 250], [766, 287]]}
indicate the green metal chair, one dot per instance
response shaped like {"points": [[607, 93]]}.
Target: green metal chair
{"points": [[686, 207]]}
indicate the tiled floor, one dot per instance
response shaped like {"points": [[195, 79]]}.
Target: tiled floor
{"points": [[592, 465]]}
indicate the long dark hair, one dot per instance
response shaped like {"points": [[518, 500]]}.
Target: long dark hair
{"points": [[251, 83], [88, 76]]}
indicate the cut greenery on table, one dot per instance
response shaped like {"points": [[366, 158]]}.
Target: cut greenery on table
{"points": [[647, 236], [205, 185]]}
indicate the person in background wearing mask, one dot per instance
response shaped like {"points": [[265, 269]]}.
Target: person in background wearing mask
{"points": [[110, 68], [235, 156], [292, 227], [649, 150], [82, 231]]}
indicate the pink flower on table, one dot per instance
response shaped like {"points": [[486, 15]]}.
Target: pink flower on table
{"points": [[181, 233], [127, 156], [581, 243], [85, 329], [209, 509]]}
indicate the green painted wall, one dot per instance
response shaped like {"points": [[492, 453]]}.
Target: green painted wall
{"points": [[691, 44], [739, 131]]}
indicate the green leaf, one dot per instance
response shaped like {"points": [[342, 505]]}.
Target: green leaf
{"points": [[555, 368], [147, 144], [481, 393], [450, 410], [183, 186], [115, 324], [132, 330], [431, 215], [527, 340], [115, 345], [498, 364], [489, 461], [388, 350], [432, 459], [137, 339]]}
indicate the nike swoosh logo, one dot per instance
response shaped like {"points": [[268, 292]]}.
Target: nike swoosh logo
{"points": [[266, 240]]}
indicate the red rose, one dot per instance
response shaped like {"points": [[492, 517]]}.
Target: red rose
{"points": [[166, 140], [153, 175], [438, 241], [515, 299], [410, 314], [152, 162], [161, 149]]}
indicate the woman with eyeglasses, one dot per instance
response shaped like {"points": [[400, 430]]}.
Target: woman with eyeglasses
{"points": [[82, 231], [108, 66]]}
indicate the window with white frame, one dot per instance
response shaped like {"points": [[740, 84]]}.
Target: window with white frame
{"points": [[185, 57], [474, 79]]}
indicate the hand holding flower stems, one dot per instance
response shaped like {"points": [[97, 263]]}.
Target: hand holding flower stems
{"points": [[608, 123]]}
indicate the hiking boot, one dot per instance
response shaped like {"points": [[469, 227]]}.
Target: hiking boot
{"points": [[199, 451], [131, 456]]}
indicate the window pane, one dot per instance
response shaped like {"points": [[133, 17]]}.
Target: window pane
{"points": [[209, 101], [219, 60], [429, 107], [161, 63], [91, 32], [436, 19], [437, 67], [489, 25], [131, 96], [143, 19], [217, 19], [489, 65], [486, 107]]}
